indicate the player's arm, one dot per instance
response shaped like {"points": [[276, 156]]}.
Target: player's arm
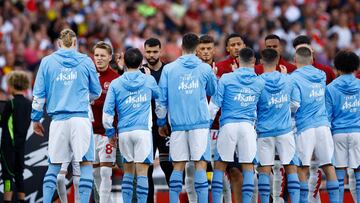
{"points": [[5, 115], [216, 101], [211, 84], [329, 104], [94, 83], [39, 99], [295, 98], [162, 101], [109, 112]]}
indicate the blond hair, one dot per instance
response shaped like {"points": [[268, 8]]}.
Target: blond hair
{"points": [[18, 80], [66, 36], [103, 45]]}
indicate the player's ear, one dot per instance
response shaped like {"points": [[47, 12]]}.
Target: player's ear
{"points": [[59, 43], [74, 42]]}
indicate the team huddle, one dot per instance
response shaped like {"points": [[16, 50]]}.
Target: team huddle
{"points": [[233, 113]]}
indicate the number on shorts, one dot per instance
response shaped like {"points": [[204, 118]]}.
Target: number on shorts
{"points": [[214, 135], [108, 149]]}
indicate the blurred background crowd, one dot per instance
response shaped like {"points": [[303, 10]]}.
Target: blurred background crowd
{"points": [[29, 28]]}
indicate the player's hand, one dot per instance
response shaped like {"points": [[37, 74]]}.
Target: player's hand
{"points": [[234, 66], [214, 68], [113, 141], [120, 60], [147, 70], [38, 129], [283, 69], [164, 131]]}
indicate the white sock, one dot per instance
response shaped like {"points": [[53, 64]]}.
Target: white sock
{"points": [[352, 183], [226, 189], [276, 180], [313, 181], [61, 187], [97, 178], [105, 185], [189, 181], [76, 180]]}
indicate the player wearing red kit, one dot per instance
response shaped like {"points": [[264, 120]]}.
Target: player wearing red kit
{"points": [[273, 42], [233, 44], [330, 75], [104, 151]]}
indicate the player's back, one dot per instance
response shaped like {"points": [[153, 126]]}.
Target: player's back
{"points": [[343, 104], [309, 92], [68, 80], [240, 93], [188, 81], [133, 92], [273, 109]]}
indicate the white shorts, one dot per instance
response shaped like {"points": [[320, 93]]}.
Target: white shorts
{"points": [[136, 146], [190, 145], [317, 141], [239, 138], [284, 145], [71, 139], [347, 150], [104, 152]]}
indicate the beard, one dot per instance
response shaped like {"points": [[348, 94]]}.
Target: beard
{"points": [[153, 61]]}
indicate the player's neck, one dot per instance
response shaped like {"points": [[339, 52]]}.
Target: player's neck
{"points": [[269, 69], [132, 69], [17, 92], [187, 52], [155, 67]]}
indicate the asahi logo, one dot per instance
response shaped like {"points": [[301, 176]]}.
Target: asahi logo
{"points": [[275, 100], [136, 99], [244, 98], [66, 75], [317, 92], [188, 84], [352, 103]]}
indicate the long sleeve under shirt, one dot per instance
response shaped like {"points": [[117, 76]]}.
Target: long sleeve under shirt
{"points": [[19, 110]]}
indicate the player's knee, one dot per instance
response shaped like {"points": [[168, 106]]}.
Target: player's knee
{"points": [[264, 169], [329, 171], [201, 165], [142, 169], [179, 166], [236, 176], [290, 169], [60, 180]]}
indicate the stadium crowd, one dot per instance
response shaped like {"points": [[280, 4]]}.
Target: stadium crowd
{"points": [[28, 29]]}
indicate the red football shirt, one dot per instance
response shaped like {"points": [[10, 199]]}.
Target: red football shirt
{"points": [[330, 75], [97, 107], [223, 67], [259, 69], [358, 75]]}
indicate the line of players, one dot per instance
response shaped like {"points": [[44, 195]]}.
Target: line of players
{"points": [[269, 95]]}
